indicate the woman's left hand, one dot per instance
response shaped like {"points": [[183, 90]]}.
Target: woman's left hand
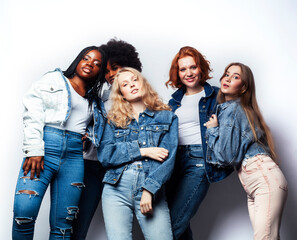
{"points": [[212, 122], [146, 206]]}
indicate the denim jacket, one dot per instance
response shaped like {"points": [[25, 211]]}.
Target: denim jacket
{"points": [[233, 141], [119, 147], [207, 106], [49, 101]]}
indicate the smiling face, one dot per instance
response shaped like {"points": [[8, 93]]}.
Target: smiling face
{"points": [[130, 86], [111, 71], [189, 74], [89, 66], [231, 83]]}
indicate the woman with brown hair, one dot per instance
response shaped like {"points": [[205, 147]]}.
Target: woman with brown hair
{"points": [[239, 137]]}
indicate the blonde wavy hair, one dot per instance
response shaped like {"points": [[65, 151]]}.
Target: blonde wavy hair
{"points": [[121, 112]]}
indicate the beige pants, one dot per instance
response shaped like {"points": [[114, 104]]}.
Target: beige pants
{"points": [[266, 189]]}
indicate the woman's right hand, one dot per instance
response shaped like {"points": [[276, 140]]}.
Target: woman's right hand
{"points": [[157, 153], [35, 164]]}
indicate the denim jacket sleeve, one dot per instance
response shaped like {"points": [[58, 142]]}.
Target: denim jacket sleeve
{"points": [[112, 153], [33, 119], [229, 141], [159, 175]]}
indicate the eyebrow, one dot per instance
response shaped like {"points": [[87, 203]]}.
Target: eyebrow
{"points": [[99, 60], [233, 73]]}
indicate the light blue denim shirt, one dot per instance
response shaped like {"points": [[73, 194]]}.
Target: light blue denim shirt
{"points": [[119, 147], [233, 141], [48, 101]]}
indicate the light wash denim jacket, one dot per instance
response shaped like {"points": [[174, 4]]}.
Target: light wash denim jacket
{"points": [[119, 147], [49, 101], [207, 106], [233, 141]]}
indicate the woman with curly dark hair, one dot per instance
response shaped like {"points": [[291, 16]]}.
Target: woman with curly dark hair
{"points": [[119, 54]]}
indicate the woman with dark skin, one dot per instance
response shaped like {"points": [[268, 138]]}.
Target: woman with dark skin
{"points": [[58, 109], [120, 54]]}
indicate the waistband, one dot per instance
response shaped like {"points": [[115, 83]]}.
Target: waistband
{"points": [[62, 132], [192, 147]]}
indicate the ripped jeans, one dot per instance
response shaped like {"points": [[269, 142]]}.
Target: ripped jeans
{"points": [[64, 171]]}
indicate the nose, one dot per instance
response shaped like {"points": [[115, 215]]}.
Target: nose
{"points": [[189, 72], [227, 78], [132, 84], [90, 63]]}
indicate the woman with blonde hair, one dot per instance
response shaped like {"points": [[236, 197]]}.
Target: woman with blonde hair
{"points": [[138, 151], [239, 137]]}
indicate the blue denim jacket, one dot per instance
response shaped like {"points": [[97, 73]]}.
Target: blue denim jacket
{"points": [[119, 147], [207, 106], [233, 141]]}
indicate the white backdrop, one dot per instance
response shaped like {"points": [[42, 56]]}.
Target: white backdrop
{"points": [[37, 36]]}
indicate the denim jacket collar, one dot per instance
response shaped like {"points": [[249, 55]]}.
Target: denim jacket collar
{"points": [[149, 112], [178, 95]]}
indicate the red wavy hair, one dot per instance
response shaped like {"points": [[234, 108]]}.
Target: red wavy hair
{"points": [[202, 64]]}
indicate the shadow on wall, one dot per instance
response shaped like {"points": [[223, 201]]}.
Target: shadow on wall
{"points": [[225, 206]]}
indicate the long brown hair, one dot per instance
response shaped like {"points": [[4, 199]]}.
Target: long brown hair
{"points": [[121, 112], [201, 63], [249, 103]]}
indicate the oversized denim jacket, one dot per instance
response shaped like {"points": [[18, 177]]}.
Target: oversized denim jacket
{"points": [[207, 106], [233, 141], [119, 147], [49, 101]]}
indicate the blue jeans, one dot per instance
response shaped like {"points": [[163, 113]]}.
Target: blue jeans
{"points": [[64, 170], [186, 189], [90, 198], [120, 201]]}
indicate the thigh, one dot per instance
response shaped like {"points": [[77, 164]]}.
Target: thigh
{"points": [[66, 187], [117, 213], [156, 225]]}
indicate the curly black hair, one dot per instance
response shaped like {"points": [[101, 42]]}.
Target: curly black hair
{"points": [[121, 53], [95, 86]]}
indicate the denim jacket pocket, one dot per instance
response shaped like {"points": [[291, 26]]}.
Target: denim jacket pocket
{"points": [[121, 134], [156, 132], [52, 96], [196, 154]]}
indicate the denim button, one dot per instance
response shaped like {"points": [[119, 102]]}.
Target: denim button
{"points": [[206, 142], [141, 128], [203, 106], [26, 151], [145, 160], [52, 89], [199, 165], [143, 143], [142, 115], [114, 179], [157, 128]]}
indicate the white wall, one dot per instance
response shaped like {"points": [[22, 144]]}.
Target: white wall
{"points": [[37, 36]]}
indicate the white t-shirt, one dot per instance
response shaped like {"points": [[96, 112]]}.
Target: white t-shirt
{"points": [[80, 115], [188, 119]]}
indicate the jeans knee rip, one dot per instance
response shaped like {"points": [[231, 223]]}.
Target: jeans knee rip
{"points": [[26, 177], [28, 192], [79, 185], [64, 230], [21, 220], [73, 211]]}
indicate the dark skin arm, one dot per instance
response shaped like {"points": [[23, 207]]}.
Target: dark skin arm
{"points": [[35, 164]]}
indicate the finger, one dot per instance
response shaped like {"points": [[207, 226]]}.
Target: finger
{"points": [[27, 166], [38, 166], [25, 163], [42, 165], [33, 170]]}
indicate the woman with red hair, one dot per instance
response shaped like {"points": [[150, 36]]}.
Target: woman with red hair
{"points": [[193, 102]]}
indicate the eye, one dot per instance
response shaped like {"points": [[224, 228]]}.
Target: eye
{"points": [[194, 67], [114, 68], [226, 75], [236, 77], [182, 69], [98, 64], [85, 58], [124, 84], [135, 80]]}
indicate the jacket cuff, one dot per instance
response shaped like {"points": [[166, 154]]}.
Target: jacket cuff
{"points": [[151, 185], [134, 151], [33, 152]]}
